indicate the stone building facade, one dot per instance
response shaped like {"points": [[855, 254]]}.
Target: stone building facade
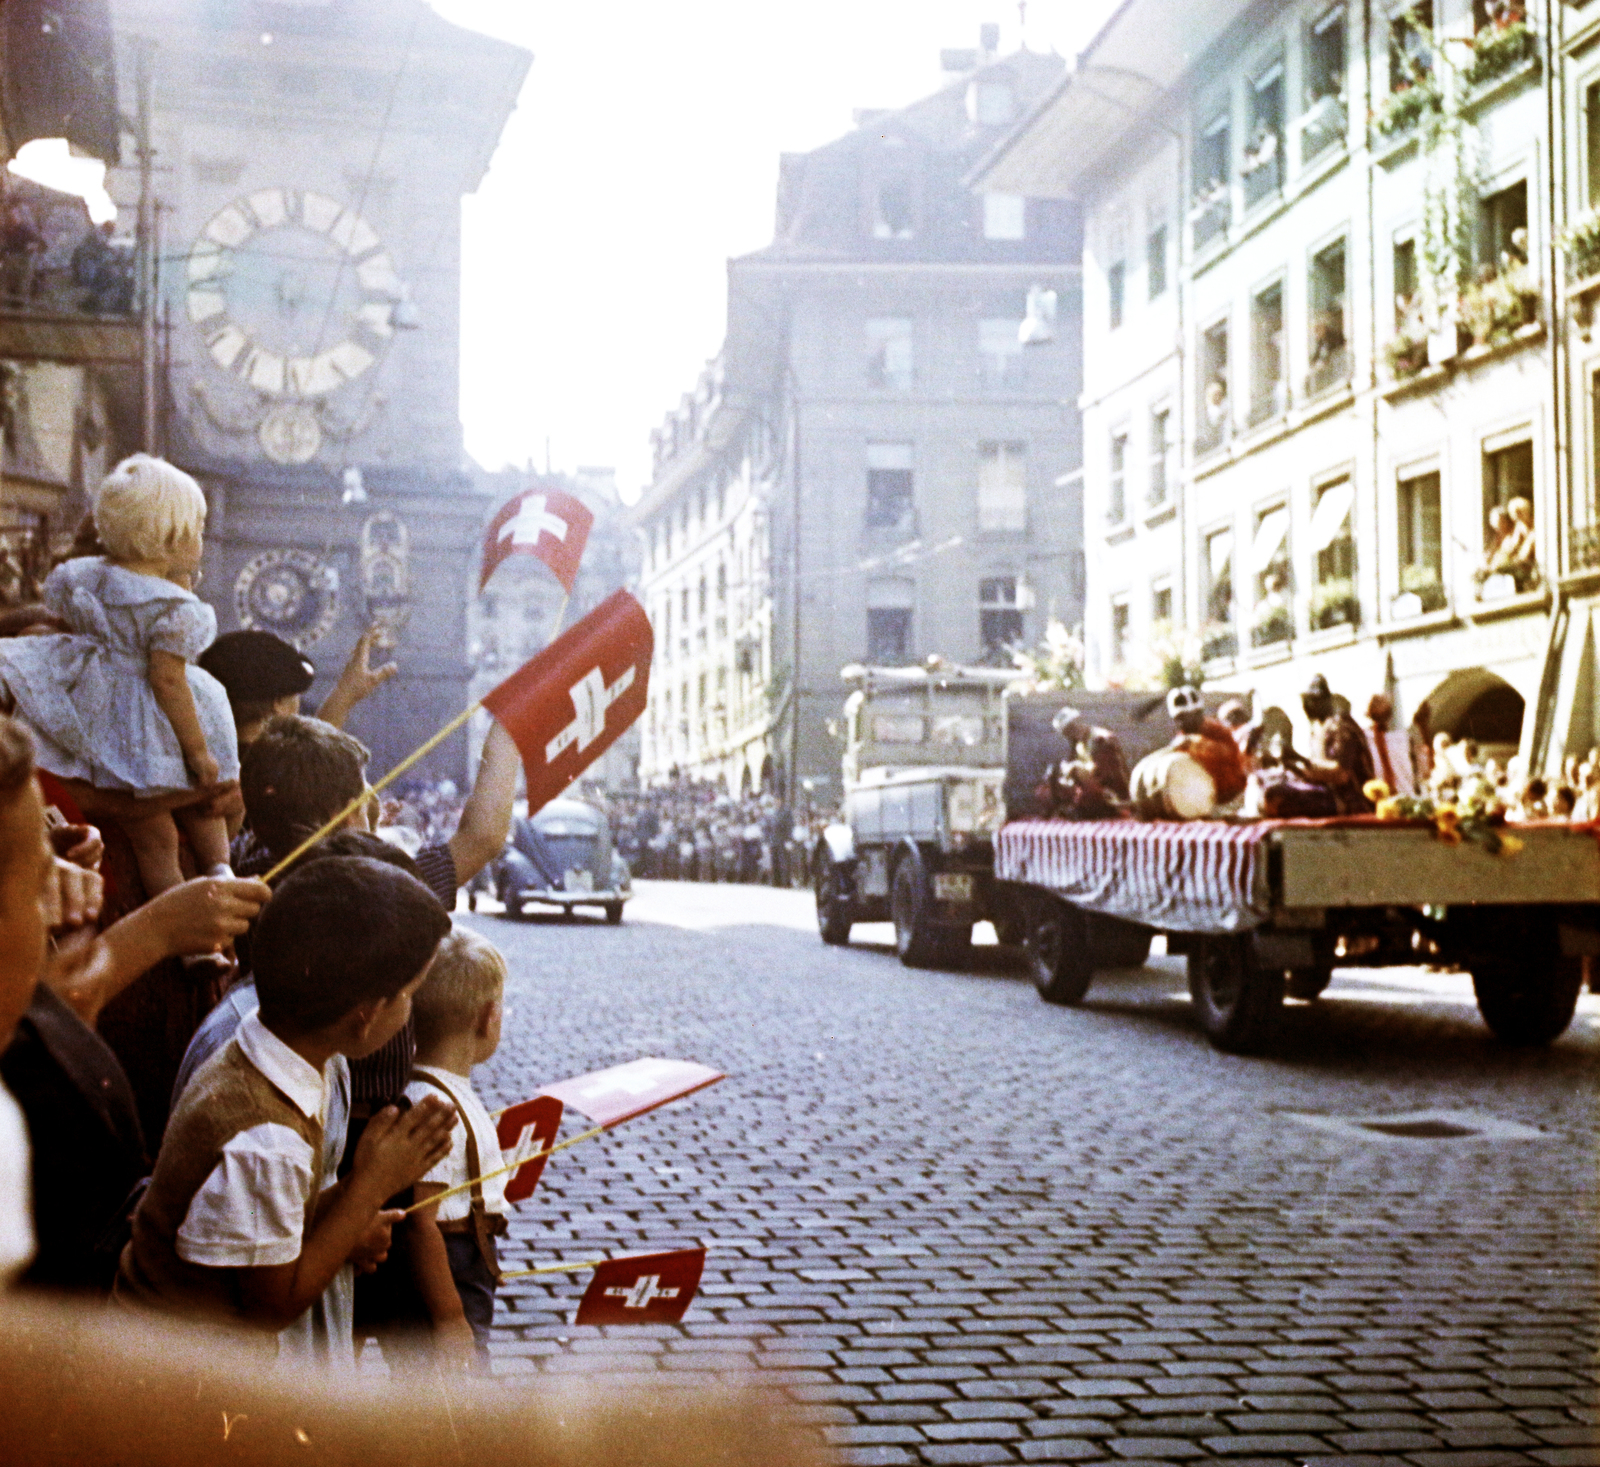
{"points": [[1323, 315], [906, 470]]}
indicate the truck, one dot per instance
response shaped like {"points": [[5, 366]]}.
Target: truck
{"points": [[1261, 910], [934, 756]]}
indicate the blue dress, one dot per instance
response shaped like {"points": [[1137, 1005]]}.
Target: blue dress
{"points": [[86, 696]]}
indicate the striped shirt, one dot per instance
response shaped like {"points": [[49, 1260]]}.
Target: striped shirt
{"points": [[381, 1077]]}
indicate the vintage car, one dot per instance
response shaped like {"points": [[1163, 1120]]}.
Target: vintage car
{"points": [[561, 857]]}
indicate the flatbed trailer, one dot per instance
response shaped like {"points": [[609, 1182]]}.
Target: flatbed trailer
{"points": [[1267, 909]]}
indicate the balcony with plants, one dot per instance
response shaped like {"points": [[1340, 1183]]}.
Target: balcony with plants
{"points": [[1506, 44], [1421, 591], [1334, 603]]}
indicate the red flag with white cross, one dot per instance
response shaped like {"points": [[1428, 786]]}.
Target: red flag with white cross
{"points": [[568, 705], [528, 1129], [652, 1288], [548, 524], [610, 1097]]}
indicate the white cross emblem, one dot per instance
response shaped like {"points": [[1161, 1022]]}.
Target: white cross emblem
{"points": [[642, 1292], [528, 1145], [534, 518], [590, 699]]}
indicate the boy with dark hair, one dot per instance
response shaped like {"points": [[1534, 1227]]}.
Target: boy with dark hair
{"points": [[296, 775], [243, 1227]]}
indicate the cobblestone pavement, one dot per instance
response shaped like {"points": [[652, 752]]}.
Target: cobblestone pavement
{"points": [[957, 1225]]}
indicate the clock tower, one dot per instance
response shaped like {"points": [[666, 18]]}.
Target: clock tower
{"points": [[310, 158]]}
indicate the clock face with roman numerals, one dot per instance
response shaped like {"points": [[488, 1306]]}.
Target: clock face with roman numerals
{"points": [[293, 294]]}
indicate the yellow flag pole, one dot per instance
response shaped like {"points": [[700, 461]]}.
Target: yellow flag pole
{"points": [[561, 615], [510, 1166], [368, 793], [528, 1273]]}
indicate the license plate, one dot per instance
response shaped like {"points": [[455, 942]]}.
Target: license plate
{"points": [[952, 886]]}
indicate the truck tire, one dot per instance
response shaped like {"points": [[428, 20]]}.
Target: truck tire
{"points": [[1057, 945], [833, 907], [918, 941], [1529, 1000], [613, 913], [1114, 943], [1236, 1001]]}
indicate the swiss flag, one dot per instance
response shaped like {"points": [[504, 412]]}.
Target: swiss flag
{"points": [[567, 706], [525, 1130], [610, 1097], [650, 1288], [546, 523]]}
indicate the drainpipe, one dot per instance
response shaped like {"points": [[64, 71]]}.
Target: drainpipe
{"points": [[1372, 310], [1563, 472]]}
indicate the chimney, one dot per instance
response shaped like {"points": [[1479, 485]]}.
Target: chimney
{"points": [[989, 40]]}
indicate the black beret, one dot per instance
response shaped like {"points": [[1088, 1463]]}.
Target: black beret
{"points": [[256, 667]]}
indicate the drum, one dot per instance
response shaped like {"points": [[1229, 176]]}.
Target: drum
{"points": [[1172, 785]]}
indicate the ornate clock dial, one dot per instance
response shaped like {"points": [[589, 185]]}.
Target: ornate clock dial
{"points": [[289, 592], [293, 293]]}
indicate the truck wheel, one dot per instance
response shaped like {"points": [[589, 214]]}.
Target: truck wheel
{"points": [[833, 910], [1527, 1001], [919, 943], [1236, 1001], [1057, 945], [1114, 943], [613, 913], [1010, 927]]}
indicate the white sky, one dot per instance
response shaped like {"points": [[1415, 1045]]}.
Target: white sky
{"points": [[642, 155]]}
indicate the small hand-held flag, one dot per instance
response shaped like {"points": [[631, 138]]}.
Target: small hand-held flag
{"points": [[567, 706], [610, 1097], [650, 1288], [547, 524], [528, 1130]]}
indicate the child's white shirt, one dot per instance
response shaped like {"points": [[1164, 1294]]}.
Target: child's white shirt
{"points": [[452, 1171], [251, 1211]]}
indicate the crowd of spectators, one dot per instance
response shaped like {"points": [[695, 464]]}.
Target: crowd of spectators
{"points": [[690, 831]]}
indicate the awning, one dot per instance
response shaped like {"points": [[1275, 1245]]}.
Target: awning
{"points": [[1270, 535], [1332, 512], [1120, 84]]}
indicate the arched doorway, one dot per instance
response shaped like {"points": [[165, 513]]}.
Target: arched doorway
{"points": [[1475, 703]]}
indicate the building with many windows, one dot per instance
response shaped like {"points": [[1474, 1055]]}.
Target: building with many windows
{"points": [[884, 470], [1323, 325]]}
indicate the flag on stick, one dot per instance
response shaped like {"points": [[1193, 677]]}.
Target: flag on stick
{"points": [[547, 524], [650, 1288], [568, 705], [528, 1130], [610, 1097]]}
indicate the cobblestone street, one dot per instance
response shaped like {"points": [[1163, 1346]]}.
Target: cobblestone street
{"points": [[957, 1225]]}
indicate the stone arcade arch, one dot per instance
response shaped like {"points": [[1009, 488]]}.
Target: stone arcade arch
{"points": [[1474, 703]]}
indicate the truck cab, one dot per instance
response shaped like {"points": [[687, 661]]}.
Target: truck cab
{"points": [[923, 770]]}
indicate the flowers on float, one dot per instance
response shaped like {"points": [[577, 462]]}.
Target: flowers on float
{"points": [[1376, 791]]}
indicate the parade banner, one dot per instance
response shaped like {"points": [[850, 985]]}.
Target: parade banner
{"points": [[610, 1097], [547, 524], [529, 1130], [651, 1288], [568, 705]]}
